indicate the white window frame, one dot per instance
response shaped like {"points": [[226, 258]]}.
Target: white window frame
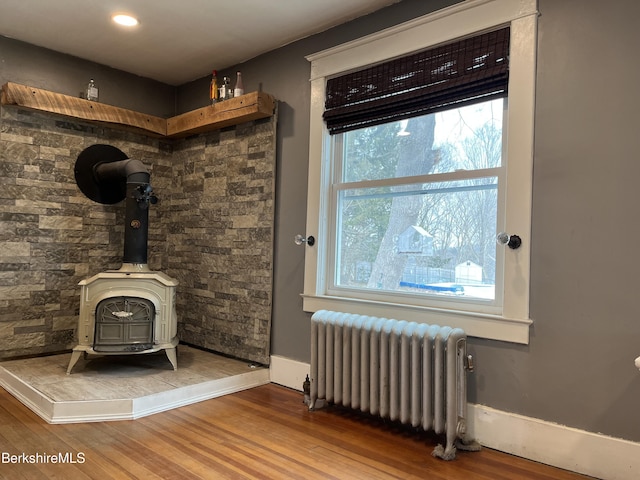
{"points": [[460, 20]]}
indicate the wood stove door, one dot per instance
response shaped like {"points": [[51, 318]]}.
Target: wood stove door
{"points": [[124, 324]]}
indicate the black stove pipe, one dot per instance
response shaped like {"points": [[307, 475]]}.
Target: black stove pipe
{"points": [[139, 195]]}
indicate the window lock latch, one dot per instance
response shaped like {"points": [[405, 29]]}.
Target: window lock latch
{"points": [[301, 240], [511, 241]]}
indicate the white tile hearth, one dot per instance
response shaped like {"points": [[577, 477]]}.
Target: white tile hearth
{"points": [[126, 387]]}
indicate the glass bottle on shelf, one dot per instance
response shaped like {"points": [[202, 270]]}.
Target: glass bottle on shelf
{"points": [[92, 91], [239, 88], [225, 90], [222, 90], [213, 89]]}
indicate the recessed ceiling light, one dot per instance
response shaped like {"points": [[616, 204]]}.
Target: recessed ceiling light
{"points": [[126, 20]]}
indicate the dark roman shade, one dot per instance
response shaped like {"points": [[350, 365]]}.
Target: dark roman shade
{"points": [[462, 72]]}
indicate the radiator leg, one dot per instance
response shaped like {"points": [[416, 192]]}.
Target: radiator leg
{"points": [[448, 453], [468, 445], [317, 404]]}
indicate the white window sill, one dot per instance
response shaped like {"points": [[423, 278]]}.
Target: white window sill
{"points": [[494, 327]]}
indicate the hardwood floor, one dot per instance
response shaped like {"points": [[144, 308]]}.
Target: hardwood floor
{"points": [[262, 433]]}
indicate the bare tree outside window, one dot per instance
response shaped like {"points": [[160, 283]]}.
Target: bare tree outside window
{"points": [[415, 157]]}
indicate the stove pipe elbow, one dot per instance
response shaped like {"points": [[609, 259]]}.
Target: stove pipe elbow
{"points": [[129, 169], [139, 194]]}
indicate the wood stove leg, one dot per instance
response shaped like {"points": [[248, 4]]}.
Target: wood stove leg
{"points": [[75, 356], [173, 358]]}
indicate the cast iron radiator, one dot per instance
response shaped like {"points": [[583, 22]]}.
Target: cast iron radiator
{"points": [[408, 372]]}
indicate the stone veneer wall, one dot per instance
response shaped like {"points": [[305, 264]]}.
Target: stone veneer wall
{"points": [[221, 226], [52, 236]]}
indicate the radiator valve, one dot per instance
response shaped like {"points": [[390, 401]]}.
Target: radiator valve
{"points": [[469, 363], [306, 388]]}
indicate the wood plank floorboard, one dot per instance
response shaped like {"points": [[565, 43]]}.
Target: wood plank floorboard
{"points": [[261, 433]]}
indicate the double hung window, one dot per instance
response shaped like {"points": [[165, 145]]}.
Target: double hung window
{"points": [[413, 209], [413, 172]]}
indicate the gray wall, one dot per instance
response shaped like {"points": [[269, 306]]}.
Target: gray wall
{"points": [[578, 368], [41, 68]]}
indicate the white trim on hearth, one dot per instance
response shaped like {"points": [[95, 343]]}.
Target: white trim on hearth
{"points": [[81, 411]]}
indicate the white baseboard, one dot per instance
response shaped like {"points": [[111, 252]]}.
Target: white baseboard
{"points": [[288, 373], [564, 447]]}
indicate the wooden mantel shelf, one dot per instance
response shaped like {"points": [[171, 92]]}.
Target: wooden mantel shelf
{"points": [[46, 101], [251, 106]]}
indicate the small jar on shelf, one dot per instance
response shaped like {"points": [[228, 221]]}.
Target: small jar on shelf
{"points": [[92, 91]]}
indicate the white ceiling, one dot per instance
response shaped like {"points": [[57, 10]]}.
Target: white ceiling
{"points": [[176, 41]]}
